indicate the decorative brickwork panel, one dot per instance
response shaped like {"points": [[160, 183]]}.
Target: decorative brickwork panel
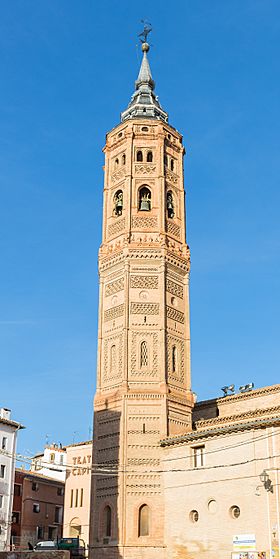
{"points": [[144, 169], [148, 282], [114, 312], [116, 227], [114, 287], [117, 176], [112, 371], [174, 288], [151, 339], [171, 177], [175, 314], [144, 461], [173, 229], [144, 308], [148, 222], [175, 369]]}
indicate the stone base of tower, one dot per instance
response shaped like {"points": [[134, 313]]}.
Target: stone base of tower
{"points": [[127, 473]]}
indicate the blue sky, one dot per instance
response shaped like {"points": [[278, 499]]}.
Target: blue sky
{"points": [[67, 70]]}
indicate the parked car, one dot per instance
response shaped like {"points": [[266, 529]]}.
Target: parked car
{"points": [[44, 545]]}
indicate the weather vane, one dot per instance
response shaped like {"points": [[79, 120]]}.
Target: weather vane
{"points": [[147, 29]]}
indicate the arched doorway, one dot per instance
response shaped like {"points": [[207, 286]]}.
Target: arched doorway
{"points": [[75, 528]]}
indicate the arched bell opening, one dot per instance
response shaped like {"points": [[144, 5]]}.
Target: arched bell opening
{"points": [[170, 204], [118, 202], [145, 199]]}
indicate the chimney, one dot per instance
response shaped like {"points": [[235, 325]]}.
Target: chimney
{"points": [[5, 413]]}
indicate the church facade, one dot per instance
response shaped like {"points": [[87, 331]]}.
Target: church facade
{"points": [[144, 409]]}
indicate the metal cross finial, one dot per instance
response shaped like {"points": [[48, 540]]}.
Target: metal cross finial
{"points": [[147, 29]]}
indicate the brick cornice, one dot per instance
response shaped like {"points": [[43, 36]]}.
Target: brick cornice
{"points": [[262, 412], [222, 430]]}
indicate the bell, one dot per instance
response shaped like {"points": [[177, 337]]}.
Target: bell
{"points": [[170, 210], [119, 204], [169, 206], [145, 205]]}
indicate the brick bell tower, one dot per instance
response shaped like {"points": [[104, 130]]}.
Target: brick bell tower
{"points": [[143, 371]]}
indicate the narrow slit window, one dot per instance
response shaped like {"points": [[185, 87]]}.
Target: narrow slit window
{"points": [[143, 354], [144, 521], [112, 358], [174, 359], [107, 521], [139, 156], [149, 156], [198, 456]]}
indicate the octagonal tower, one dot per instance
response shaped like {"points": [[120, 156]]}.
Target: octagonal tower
{"points": [[143, 370]]}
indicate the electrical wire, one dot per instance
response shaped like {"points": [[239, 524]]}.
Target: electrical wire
{"points": [[44, 464], [228, 447], [125, 470]]}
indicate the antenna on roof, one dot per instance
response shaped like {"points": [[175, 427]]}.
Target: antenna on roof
{"points": [[246, 387], [228, 389]]}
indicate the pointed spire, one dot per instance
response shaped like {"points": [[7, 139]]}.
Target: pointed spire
{"points": [[144, 103], [145, 75]]}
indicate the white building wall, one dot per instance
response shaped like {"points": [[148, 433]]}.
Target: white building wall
{"points": [[8, 435], [230, 476], [51, 463]]}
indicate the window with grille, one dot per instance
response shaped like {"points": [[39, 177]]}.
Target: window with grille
{"points": [[143, 354], [113, 358], [174, 359]]}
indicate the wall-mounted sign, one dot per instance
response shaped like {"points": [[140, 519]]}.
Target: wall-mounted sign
{"points": [[249, 555], [244, 542], [80, 463]]}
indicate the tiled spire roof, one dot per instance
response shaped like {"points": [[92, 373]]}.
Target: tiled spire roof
{"points": [[144, 103]]}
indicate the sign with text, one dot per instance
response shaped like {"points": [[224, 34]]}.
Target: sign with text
{"points": [[249, 555], [244, 542]]}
